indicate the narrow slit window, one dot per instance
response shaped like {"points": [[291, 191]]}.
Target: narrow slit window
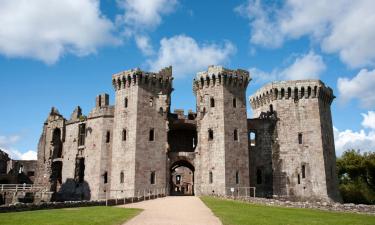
{"points": [[152, 177], [210, 134], [126, 102], [237, 177], [299, 179], [211, 178], [105, 177], [108, 137], [124, 135], [234, 103], [235, 135], [152, 135], [212, 102], [271, 108], [303, 171], [122, 177], [300, 138]]}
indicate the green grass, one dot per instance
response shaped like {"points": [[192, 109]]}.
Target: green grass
{"points": [[241, 213], [99, 215]]}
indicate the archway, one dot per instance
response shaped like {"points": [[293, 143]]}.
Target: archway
{"points": [[182, 178]]}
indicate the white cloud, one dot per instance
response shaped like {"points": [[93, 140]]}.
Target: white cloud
{"points": [[362, 140], [360, 87], [187, 56], [348, 139], [308, 66], [48, 29], [143, 43], [17, 155], [145, 14], [342, 26], [369, 120], [6, 143]]}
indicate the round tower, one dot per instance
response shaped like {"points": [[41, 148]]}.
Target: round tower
{"points": [[222, 160], [140, 130], [303, 152]]}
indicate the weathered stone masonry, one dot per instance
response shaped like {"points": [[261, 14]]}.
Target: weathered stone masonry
{"points": [[138, 144]]}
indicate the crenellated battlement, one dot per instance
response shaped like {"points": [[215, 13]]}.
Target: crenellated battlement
{"points": [[125, 79], [218, 75], [291, 90]]}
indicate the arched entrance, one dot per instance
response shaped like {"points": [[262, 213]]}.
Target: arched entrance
{"points": [[182, 178]]}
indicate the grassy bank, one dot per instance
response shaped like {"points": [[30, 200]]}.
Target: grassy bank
{"points": [[240, 213], [99, 215]]}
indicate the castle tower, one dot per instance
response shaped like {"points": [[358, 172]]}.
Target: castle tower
{"points": [[140, 130], [50, 152], [222, 160], [303, 151]]}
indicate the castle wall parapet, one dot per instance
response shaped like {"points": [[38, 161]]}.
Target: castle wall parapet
{"points": [[291, 90], [128, 78], [218, 75]]}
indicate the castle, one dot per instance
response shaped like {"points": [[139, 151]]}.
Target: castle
{"points": [[138, 144]]}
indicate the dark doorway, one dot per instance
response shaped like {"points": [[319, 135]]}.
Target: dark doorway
{"points": [[182, 179]]}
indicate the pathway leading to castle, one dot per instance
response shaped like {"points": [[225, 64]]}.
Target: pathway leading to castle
{"points": [[182, 210]]}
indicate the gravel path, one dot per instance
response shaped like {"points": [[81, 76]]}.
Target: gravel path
{"points": [[182, 210]]}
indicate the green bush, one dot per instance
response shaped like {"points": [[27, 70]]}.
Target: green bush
{"points": [[356, 173]]}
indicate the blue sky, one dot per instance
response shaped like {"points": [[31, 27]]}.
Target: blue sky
{"points": [[65, 56]]}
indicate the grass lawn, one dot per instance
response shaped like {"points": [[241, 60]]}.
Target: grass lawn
{"points": [[235, 212], [99, 215]]}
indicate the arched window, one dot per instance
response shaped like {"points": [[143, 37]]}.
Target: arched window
{"points": [[259, 176], [252, 138], [122, 177], [151, 135], [152, 177], [237, 177], [210, 134], [212, 102], [271, 108], [124, 134], [211, 178], [235, 135], [126, 102], [108, 137], [289, 92], [282, 93], [234, 102], [151, 101]]}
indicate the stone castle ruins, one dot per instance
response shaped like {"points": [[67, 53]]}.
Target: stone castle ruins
{"points": [[286, 150]]}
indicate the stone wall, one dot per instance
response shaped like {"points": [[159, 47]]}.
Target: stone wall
{"points": [[303, 165], [260, 154], [142, 106], [222, 160]]}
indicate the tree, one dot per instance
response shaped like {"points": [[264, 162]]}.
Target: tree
{"points": [[356, 173]]}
